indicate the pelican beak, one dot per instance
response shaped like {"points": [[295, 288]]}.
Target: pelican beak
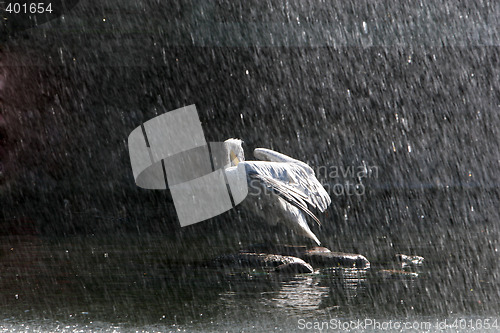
{"points": [[234, 158]]}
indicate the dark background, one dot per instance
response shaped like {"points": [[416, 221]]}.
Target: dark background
{"points": [[410, 88]]}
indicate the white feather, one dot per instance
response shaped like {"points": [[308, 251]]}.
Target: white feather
{"points": [[281, 186]]}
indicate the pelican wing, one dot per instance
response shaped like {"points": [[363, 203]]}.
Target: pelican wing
{"points": [[286, 193], [292, 183], [301, 176], [269, 155]]}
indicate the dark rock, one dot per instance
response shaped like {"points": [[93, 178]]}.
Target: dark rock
{"points": [[277, 262], [285, 250], [396, 274], [316, 256], [406, 260], [335, 259], [298, 266]]}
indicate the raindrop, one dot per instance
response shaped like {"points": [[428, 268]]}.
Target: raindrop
{"points": [[323, 113]]}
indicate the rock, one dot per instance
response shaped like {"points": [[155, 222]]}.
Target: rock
{"points": [[298, 266], [318, 249], [317, 256], [407, 260], [276, 262], [285, 250], [335, 259], [395, 274]]}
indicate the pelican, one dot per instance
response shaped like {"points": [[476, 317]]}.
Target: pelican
{"points": [[278, 185]]}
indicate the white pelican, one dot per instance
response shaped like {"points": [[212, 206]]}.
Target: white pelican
{"points": [[278, 185]]}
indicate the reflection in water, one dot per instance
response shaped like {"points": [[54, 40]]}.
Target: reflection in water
{"points": [[314, 292], [303, 293], [345, 283], [130, 282]]}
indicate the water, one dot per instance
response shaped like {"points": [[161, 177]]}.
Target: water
{"points": [[343, 85], [126, 283]]}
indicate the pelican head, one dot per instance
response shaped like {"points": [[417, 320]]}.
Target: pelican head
{"points": [[234, 151]]}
